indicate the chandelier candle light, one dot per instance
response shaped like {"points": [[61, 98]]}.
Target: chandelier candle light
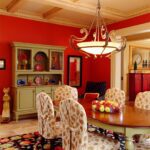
{"points": [[104, 42]]}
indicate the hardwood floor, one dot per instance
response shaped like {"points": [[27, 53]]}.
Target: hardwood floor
{"points": [[20, 127]]}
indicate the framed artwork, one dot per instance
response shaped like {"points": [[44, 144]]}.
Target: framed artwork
{"points": [[2, 64], [139, 58], [56, 60], [74, 71]]}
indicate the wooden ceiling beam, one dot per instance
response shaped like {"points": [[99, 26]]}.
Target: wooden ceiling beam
{"points": [[14, 5], [51, 12]]}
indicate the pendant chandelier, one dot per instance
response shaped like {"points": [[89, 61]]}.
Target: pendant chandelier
{"points": [[103, 42]]}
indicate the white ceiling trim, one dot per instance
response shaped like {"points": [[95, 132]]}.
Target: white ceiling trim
{"points": [[80, 8], [139, 12], [21, 15], [137, 29]]}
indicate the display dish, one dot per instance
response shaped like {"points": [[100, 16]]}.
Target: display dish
{"points": [[39, 67], [38, 80], [108, 106], [40, 56], [21, 82]]}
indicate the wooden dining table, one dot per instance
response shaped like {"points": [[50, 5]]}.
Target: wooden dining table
{"points": [[129, 121]]}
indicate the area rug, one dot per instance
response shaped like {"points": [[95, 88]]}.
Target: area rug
{"points": [[30, 141], [34, 141], [113, 135]]}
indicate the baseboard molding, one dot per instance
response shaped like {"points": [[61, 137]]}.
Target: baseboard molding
{"points": [[27, 116]]}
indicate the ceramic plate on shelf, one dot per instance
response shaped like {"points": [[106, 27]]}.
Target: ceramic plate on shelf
{"points": [[38, 80], [40, 56], [137, 58]]}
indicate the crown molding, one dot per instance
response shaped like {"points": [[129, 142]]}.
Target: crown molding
{"points": [[137, 29], [124, 15], [144, 10]]}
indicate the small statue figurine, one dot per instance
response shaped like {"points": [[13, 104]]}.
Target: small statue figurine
{"points": [[6, 106]]}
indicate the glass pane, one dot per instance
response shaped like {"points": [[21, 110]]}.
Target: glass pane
{"points": [[24, 59], [41, 62], [56, 60]]}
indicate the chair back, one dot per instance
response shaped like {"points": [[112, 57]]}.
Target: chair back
{"points": [[116, 95], [142, 100], [91, 96], [45, 112], [74, 125], [65, 91]]}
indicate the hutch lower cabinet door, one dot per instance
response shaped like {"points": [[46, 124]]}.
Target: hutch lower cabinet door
{"points": [[24, 101]]}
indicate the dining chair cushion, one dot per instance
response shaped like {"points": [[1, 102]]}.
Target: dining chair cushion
{"points": [[91, 96], [47, 125], [142, 100], [116, 95], [75, 135]]}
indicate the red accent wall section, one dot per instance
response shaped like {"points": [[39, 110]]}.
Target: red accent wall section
{"points": [[100, 70], [29, 31]]}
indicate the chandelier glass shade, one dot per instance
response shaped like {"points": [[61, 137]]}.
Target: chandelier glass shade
{"points": [[103, 42]]}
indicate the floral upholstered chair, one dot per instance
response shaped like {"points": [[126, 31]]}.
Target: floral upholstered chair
{"points": [[116, 95], [75, 135], [142, 101], [91, 96], [65, 91], [48, 127]]}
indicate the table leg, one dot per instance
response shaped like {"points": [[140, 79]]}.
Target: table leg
{"points": [[129, 145]]}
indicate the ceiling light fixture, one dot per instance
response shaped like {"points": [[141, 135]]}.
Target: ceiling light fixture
{"points": [[104, 42]]}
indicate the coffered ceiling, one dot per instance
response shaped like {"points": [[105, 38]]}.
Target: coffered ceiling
{"points": [[77, 13]]}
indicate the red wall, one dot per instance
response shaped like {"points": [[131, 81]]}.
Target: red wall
{"points": [[100, 70], [23, 30]]}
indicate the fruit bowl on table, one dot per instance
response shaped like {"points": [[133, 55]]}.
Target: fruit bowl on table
{"points": [[108, 106]]}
